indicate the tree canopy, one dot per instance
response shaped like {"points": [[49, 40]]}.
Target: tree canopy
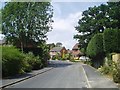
{"points": [[95, 20], [26, 22], [111, 40]]}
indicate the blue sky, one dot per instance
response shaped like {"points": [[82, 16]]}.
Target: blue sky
{"points": [[66, 16]]}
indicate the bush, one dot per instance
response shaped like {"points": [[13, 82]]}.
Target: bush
{"points": [[116, 72], [12, 61], [54, 58], [111, 40], [87, 62], [72, 59], [33, 62], [57, 57], [27, 67], [67, 56], [44, 55], [105, 70]]}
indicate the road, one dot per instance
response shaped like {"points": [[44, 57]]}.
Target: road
{"points": [[64, 75]]}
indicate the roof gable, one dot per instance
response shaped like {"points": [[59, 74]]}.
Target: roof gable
{"points": [[57, 49], [76, 46]]}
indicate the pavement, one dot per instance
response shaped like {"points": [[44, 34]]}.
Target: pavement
{"points": [[61, 74], [96, 79]]}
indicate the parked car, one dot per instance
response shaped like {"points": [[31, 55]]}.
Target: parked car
{"points": [[84, 58]]}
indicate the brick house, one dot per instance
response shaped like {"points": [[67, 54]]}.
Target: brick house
{"points": [[57, 50], [76, 53]]}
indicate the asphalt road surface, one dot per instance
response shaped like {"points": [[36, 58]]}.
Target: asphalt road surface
{"points": [[64, 75], [67, 75]]}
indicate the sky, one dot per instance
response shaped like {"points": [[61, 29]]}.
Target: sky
{"points": [[66, 16]]}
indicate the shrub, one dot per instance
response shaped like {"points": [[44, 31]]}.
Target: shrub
{"points": [[12, 61], [111, 40], [57, 57], [67, 56], [87, 62], [72, 59], [54, 58], [33, 62], [27, 67], [116, 72], [44, 55], [105, 70], [37, 64]]}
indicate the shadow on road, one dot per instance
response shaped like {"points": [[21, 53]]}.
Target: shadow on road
{"points": [[59, 64]]}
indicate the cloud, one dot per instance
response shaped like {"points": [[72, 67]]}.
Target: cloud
{"points": [[63, 29], [68, 23]]}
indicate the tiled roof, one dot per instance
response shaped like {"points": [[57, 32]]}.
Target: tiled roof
{"points": [[76, 52], [76, 46], [57, 49]]}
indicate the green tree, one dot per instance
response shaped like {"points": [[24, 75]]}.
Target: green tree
{"points": [[51, 45], [96, 20], [91, 23], [26, 22]]}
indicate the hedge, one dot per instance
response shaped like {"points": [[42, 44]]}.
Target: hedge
{"points": [[95, 46], [111, 40], [14, 62], [95, 50]]}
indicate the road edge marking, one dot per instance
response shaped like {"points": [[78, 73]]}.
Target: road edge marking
{"points": [[89, 86]]}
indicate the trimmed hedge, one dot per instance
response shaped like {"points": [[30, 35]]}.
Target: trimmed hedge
{"points": [[111, 40], [95, 50], [95, 46]]}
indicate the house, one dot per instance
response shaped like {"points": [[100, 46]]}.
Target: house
{"points": [[57, 50], [76, 52], [69, 51]]}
